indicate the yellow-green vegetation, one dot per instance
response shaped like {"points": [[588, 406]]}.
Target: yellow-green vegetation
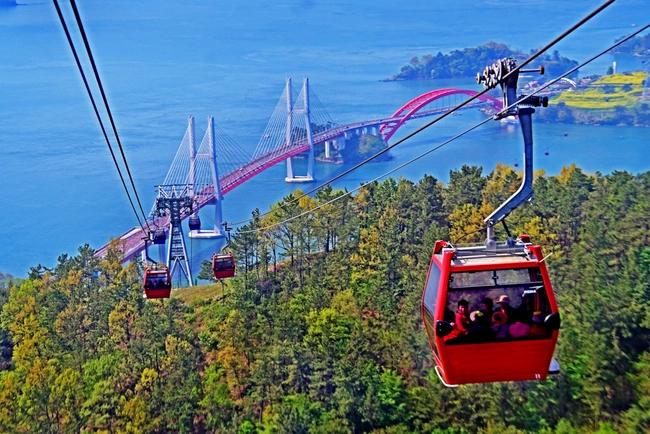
{"points": [[191, 295], [610, 92], [632, 78]]}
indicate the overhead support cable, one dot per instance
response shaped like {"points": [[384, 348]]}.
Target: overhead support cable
{"points": [[96, 110], [446, 142], [106, 105]]}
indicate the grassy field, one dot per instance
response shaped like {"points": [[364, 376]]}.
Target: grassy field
{"points": [[193, 294], [608, 92], [632, 78]]}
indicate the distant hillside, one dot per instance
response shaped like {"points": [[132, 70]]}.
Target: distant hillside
{"points": [[469, 61], [357, 148], [638, 46]]}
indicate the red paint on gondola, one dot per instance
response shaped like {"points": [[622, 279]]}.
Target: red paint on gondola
{"points": [[489, 359], [223, 266], [157, 283]]}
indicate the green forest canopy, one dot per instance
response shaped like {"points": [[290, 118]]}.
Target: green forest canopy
{"points": [[320, 332]]}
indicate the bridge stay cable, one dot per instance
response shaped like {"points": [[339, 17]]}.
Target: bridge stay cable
{"points": [[96, 110], [457, 107], [451, 139], [82, 31], [273, 130]]}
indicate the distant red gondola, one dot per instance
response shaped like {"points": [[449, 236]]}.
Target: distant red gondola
{"points": [[514, 326], [157, 283], [223, 266]]}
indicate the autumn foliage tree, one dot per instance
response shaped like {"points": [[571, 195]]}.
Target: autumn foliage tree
{"points": [[320, 331]]}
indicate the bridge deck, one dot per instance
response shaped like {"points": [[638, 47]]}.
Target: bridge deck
{"points": [[132, 242]]}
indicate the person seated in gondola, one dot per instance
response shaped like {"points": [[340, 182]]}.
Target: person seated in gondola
{"points": [[500, 326], [527, 307], [503, 305], [487, 306], [519, 327], [479, 330], [461, 321]]}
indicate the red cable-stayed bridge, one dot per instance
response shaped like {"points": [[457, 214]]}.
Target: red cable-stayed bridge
{"points": [[293, 129]]}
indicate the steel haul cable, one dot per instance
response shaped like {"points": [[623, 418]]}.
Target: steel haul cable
{"points": [[446, 142], [530, 59], [108, 108], [89, 53], [95, 109]]}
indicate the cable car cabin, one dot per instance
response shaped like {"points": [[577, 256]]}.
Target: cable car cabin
{"points": [[223, 266], [157, 283], [490, 315]]}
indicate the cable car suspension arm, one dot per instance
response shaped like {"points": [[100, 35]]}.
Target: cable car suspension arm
{"points": [[505, 73]]}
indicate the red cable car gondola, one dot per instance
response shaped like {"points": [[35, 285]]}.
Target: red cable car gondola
{"points": [[514, 321], [489, 311], [157, 282], [223, 266]]}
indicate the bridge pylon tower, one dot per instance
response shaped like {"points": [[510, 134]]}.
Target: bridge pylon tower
{"points": [[175, 202], [207, 154], [304, 111]]}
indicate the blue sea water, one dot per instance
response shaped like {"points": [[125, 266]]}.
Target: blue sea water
{"points": [[164, 60]]}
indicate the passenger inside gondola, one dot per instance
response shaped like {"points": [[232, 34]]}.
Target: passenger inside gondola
{"points": [[519, 312], [519, 327], [461, 321], [527, 307], [503, 305], [500, 326], [479, 327], [221, 264], [157, 281], [487, 307]]}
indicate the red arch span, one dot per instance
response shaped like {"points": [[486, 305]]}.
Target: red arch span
{"points": [[409, 109]]}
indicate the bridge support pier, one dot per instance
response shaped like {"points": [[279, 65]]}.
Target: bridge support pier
{"points": [[328, 151], [334, 146], [304, 111]]}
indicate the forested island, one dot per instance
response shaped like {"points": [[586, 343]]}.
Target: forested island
{"points": [[356, 148], [468, 61], [320, 332]]}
